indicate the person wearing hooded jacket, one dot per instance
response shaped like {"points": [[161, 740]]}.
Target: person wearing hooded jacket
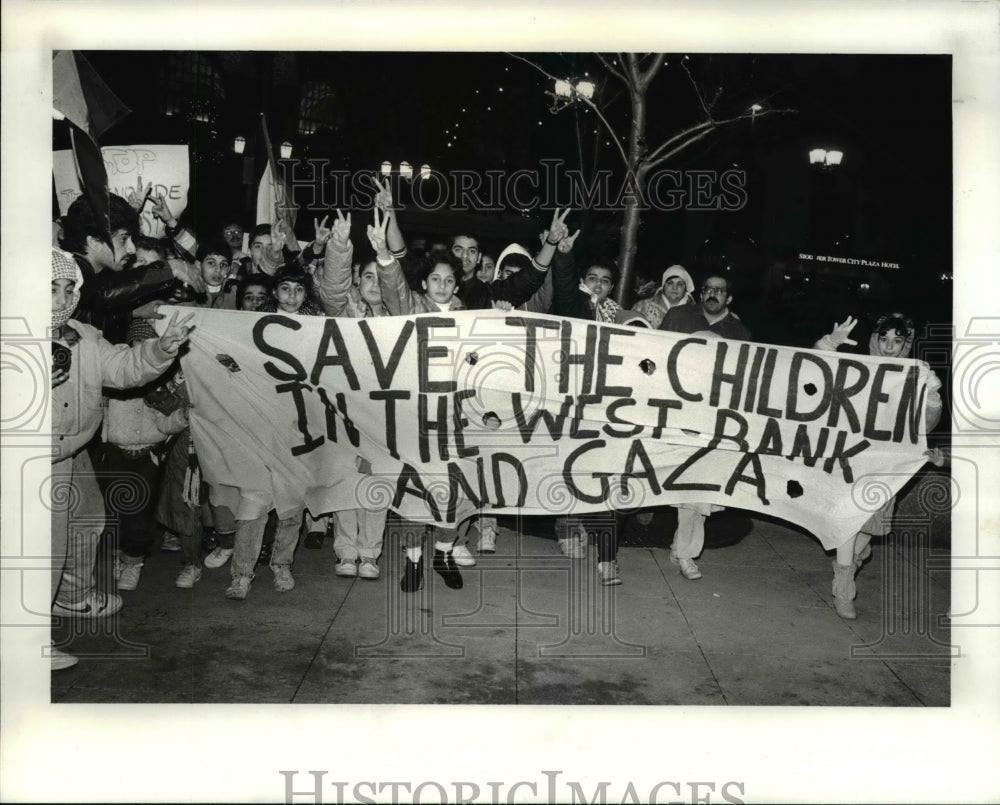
{"points": [[892, 337], [84, 363], [676, 288]]}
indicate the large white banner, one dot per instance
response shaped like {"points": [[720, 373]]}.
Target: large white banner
{"points": [[165, 166], [542, 415]]}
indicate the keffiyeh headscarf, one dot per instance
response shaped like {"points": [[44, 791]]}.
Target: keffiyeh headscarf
{"points": [[64, 267], [607, 311]]}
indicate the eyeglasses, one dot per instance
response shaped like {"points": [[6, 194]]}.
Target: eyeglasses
{"points": [[458, 251], [707, 290]]}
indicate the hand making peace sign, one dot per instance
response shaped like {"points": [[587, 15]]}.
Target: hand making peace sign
{"points": [[342, 229], [376, 233], [176, 334], [323, 232]]}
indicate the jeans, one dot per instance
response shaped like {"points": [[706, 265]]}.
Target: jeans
{"points": [[250, 538], [77, 524], [358, 534]]}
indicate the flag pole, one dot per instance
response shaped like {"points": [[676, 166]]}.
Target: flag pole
{"points": [[272, 162]]}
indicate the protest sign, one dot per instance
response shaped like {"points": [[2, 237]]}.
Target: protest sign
{"points": [[165, 166], [542, 415]]}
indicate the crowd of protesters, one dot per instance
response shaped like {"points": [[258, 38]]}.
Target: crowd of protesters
{"points": [[120, 405]]}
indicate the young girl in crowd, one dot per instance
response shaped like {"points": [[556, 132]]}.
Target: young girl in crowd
{"points": [[439, 287], [892, 337], [358, 533]]}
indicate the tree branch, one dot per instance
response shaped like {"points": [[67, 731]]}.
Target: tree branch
{"points": [[633, 69], [590, 103], [695, 133], [647, 75], [612, 69], [697, 89]]}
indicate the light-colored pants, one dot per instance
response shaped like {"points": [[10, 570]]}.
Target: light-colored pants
{"points": [[358, 534], [689, 539], [250, 538], [77, 525]]}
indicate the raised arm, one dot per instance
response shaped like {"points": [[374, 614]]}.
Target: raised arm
{"points": [[396, 294], [520, 287], [334, 279]]}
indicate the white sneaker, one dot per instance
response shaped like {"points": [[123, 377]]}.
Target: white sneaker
{"points": [[283, 581], [607, 572], [61, 660], [218, 557], [127, 576], [574, 548], [171, 542], [688, 569], [348, 568], [239, 588], [488, 540], [95, 605], [188, 577], [462, 556], [368, 569]]}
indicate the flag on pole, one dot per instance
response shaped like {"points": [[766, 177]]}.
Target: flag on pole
{"points": [[90, 108], [272, 189]]}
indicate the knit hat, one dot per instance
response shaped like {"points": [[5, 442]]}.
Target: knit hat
{"points": [[64, 267], [678, 271]]}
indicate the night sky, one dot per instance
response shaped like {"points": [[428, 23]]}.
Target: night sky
{"points": [[891, 115]]}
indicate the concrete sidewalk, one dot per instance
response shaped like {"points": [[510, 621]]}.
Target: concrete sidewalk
{"points": [[532, 627]]}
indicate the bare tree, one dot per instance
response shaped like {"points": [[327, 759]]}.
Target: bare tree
{"points": [[636, 72]]}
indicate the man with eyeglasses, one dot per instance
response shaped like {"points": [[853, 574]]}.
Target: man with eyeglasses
{"points": [[712, 313], [711, 316]]}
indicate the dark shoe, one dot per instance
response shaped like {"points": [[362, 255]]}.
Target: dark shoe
{"points": [[444, 565], [413, 576], [314, 540], [265, 554], [209, 540]]}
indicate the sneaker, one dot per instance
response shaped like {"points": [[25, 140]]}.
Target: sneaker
{"points": [[348, 568], [265, 554], [607, 572], [488, 540], [283, 581], [238, 590], [688, 569], [462, 556], [188, 577], [127, 576], [314, 540], [574, 548], [61, 660], [368, 569], [171, 542], [218, 557], [95, 605]]}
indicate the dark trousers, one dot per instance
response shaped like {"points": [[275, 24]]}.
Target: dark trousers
{"points": [[131, 486]]}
